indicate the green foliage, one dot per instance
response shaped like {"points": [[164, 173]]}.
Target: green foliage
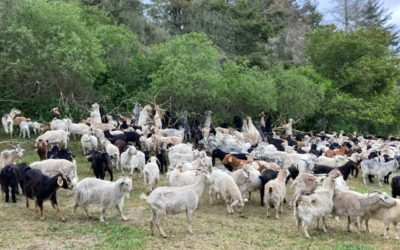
{"points": [[188, 72], [246, 91], [358, 62], [300, 91], [378, 115]]}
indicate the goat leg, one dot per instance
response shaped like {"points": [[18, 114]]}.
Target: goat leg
{"points": [[396, 236], [119, 208], [59, 212], [189, 215]]}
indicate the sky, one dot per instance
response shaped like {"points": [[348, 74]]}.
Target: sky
{"points": [[393, 6]]}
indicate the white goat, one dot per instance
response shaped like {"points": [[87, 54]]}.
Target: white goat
{"points": [[89, 142], [275, 192], [112, 151], [77, 128], [104, 193], [381, 169], [223, 184], [10, 156], [151, 174], [173, 200], [248, 179], [316, 205], [387, 216], [355, 205], [36, 127], [8, 121], [55, 136], [52, 167], [144, 116], [59, 124], [24, 129], [132, 159], [334, 162]]}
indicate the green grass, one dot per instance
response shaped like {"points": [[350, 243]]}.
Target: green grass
{"points": [[213, 228]]}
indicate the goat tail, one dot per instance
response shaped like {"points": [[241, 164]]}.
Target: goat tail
{"points": [[143, 196], [270, 190]]}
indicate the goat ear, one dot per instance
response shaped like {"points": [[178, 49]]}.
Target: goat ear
{"points": [[60, 181], [230, 159]]}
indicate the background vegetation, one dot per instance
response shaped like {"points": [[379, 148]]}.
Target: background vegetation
{"points": [[234, 57]]}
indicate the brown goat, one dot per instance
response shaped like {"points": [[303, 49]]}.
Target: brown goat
{"points": [[343, 150], [233, 163], [42, 147], [121, 145]]}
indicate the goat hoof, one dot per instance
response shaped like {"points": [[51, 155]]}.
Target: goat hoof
{"points": [[124, 218], [41, 218]]}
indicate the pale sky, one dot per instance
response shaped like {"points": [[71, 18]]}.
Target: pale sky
{"points": [[393, 6]]}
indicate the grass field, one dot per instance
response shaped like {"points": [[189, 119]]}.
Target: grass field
{"points": [[213, 228]]}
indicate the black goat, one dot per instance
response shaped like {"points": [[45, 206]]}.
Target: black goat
{"points": [[9, 180], [41, 187], [218, 153], [237, 120], [276, 142], [161, 156], [396, 186], [293, 173], [345, 170], [101, 162], [57, 152], [315, 151]]}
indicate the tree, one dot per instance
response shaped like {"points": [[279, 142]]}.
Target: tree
{"points": [[359, 62], [347, 13], [300, 91], [373, 14], [188, 73]]}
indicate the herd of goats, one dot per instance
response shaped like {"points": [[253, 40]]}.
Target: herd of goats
{"points": [[252, 157]]}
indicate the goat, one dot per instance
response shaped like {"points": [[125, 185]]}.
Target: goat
{"points": [[113, 152], [42, 148], [356, 205], [248, 179], [9, 180], [51, 167], [105, 193], [55, 136], [172, 200], [58, 124], [373, 167], [24, 129], [387, 215], [275, 192], [36, 127], [233, 163], [60, 153], [395, 186], [10, 156], [345, 170], [8, 121], [218, 153], [132, 159], [223, 184], [100, 164], [77, 128], [40, 187], [316, 205], [151, 174], [88, 142]]}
